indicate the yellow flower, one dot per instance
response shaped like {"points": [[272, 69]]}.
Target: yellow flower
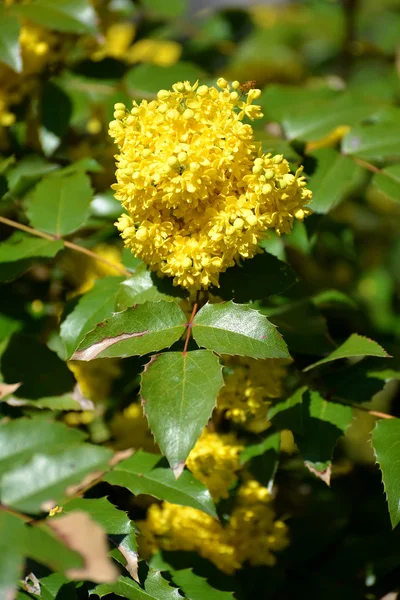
{"points": [[252, 534], [215, 461], [130, 430], [198, 192], [90, 269], [95, 377], [249, 387]]}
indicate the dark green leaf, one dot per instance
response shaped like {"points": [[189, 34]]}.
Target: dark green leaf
{"points": [[179, 392], [64, 402], [375, 142], [168, 10], [92, 308], [385, 442], [136, 331], [73, 16], [26, 173], [196, 587], [230, 328], [262, 276], [21, 246], [147, 80], [124, 587], [355, 346], [48, 474], [60, 204], [145, 473], [56, 587], [11, 562], [145, 285], [388, 182], [334, 178], [263, 458], [158, 587], [9, 41], [288, 414]]}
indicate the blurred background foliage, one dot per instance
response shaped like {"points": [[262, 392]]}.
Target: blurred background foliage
{"points": [[329, 71]]}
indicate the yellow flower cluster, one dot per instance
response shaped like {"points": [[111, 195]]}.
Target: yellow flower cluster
{"points": [[252, 534], [130, 430], [215, 461], [249, 386], [198, 192]]}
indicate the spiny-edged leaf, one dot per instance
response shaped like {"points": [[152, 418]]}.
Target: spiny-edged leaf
{"points": [[73, 16], [123, 587], [197, 588], [323, 423], [385, 442], [288, 414], [149, 79], [145, 473], [136, 331], [145, 285], [60, 204], [45, 547], [56, 587], [21, 438], [116, 523], [47, 475], [64, 402], [355, 346], [379, 142], [20, 246], [11, 562], [262, 276], [92, 308], [158, 587], [388, 182], [10, 53], [263, 458], [231, 328], [334, 178], [179, 392]]}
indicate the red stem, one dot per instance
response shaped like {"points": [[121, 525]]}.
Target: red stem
{"points": [[189, 325]]}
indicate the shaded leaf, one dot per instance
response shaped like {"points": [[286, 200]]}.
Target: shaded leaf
{"points": [[196, 587], [64, 402], [57, 587], [92, 308], [145, 473], [26, 173], [145, 286], [375, 142], [262, 458], [20, 246], [262, 276], [148, 79], [11, 555], [230, 328], [334, 178], [74, 16], [288, 414], [47, 475], [10, 53], [60, 204], [385, 442], [161, 9], [136, 331], [355, 346], [179, 392], [388, 182]]}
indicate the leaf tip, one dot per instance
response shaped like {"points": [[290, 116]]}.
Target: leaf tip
{"points": [[177, 469]]}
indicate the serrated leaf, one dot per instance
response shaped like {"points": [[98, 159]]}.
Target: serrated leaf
{"points": [[288, 414], [262, 276], [136, 331], [375, 142], [123, 587], [229, 328], [179, 392], [263, 458], [47, 475], [355, 346], [158, 587], [56, 587], [145, 286], [385, 442], [60, 204], [73, 16], [20, 246], [333, 179], [388, 182], [92, 308], [196, 587], [21, 438], [145, 473], [10, 53]]}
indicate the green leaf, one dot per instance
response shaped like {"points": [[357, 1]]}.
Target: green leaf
{"points": [[145, 473], [158, 587], [147, 80], [92, 308], [47, 475], [10, 53], [72, 16], [323, 423], [385, 442], [26, 173], [288, 414], [388, 182], [262, 276], [20, 246], [60, 204], [11, 563], [196, 587], [333, 180], [165, 10], [263, 458], [179, 392], [64, 402], [56, 587], [21, 438], [355, 346], [145, 286], [229, 328], [375, 142], [124, 587], [136, 331]]}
